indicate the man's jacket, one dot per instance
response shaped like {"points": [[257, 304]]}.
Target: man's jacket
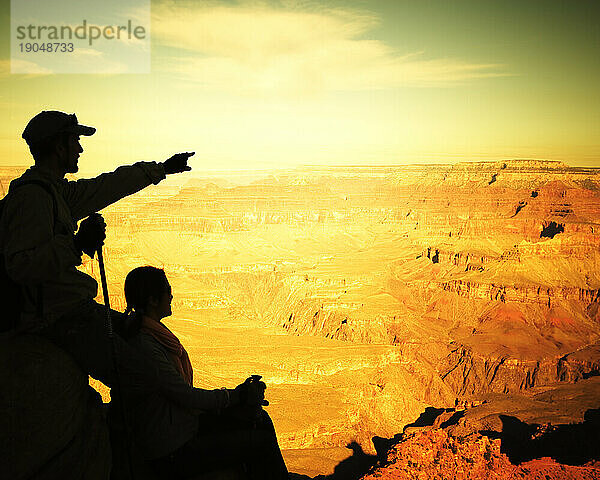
{"points": [[39, 248]]}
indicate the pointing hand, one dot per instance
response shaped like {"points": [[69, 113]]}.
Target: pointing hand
{"points": [[178, 163]]}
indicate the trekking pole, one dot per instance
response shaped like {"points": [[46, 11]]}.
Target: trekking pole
{"points": [[111, 339], [105, 294]]}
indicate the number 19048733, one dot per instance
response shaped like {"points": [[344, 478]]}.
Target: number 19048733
{"points": [[49, 47]]}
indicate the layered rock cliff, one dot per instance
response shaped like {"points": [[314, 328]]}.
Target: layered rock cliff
{"points": [[536, 436], [481, 278]]}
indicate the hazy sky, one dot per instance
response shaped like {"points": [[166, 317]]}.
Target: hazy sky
{"points": [[274, 84]]}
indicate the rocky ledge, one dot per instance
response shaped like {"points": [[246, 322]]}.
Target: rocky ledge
{"points": [[551, 433]]}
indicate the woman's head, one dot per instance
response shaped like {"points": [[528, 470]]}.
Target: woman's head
{"points": [[147, 291]]}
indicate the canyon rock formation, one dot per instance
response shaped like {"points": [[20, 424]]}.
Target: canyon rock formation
{"points": [[542, 433], [364, 295]]}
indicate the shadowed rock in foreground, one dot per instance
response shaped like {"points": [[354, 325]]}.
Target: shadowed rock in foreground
{"points": [[551, 434], [436, 454], [51, 421]]}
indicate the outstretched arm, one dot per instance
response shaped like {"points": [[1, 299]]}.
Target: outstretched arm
{"points": [[87, 196]]}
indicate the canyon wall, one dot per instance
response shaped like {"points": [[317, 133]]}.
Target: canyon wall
{"points": [[484, 277], [453, 281]]}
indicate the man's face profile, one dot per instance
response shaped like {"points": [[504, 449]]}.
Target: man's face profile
{"points": [[69, 153]]}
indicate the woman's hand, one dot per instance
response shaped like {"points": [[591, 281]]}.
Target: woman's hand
{"points": [[252, 391]]}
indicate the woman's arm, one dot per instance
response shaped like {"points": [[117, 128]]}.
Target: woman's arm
{"points": [[173, 387]]}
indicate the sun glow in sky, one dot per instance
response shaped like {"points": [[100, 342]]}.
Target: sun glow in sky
{"points": [[261, 84]]}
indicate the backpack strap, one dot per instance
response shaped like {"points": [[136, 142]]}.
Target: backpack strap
{"points": [[49, 190]]}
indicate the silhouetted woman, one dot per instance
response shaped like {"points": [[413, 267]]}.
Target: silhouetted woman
{"points": [[188, 430]]}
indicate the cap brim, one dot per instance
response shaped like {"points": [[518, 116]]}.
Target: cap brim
{"points": [[81, 130]]}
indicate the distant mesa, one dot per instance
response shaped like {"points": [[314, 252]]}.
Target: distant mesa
{"points": [[208, 183], [516, 164]]}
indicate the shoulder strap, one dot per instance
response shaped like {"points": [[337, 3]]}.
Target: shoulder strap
{"points": [[49, 191]]}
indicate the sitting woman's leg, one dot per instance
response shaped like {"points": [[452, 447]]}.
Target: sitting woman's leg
{"points": [[231, 439]]}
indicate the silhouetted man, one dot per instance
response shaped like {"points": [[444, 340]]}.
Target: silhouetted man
{"points": [[42, 250]]}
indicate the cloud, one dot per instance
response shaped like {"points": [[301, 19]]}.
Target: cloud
{"points": [[22, 67], [88, 53], [88, 60], [253, 48], [4, 67]]}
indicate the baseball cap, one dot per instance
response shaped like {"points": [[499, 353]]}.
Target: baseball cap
{"points": [[50, 122]]}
